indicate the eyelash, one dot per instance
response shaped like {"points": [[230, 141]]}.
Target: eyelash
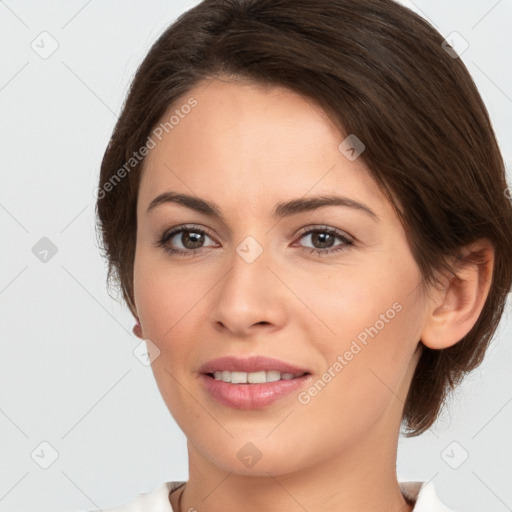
{"points": [[168, 235]]}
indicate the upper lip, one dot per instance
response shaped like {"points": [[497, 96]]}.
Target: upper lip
{"points": [[250, 364]]}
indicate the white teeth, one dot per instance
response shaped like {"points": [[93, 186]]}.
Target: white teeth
{"points": [[273, 376], [238, 377], [257, 377], [253, 377]]}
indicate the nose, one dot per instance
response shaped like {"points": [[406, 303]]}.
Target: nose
{"points": [[250, 297]]}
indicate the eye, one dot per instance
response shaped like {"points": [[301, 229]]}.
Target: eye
{"points": [[188, 239], [323, 237]]}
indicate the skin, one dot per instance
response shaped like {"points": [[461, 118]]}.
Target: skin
{"points": [[247, 148]]}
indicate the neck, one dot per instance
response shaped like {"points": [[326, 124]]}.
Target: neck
{"points": [[362, 478]]}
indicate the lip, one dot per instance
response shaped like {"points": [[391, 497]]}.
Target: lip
{"points": [[250, 364], [251, 396]]}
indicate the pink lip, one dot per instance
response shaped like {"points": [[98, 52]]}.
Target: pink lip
{"points": [[251, 396], [250, 364]]}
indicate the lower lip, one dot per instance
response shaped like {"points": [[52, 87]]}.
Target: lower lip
{"points": [[251, 396]]}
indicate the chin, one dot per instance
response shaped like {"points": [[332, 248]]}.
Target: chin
{"points": [[277, 464], [259, 455]]}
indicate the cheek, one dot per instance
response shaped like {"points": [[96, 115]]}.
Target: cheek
{"points": [[362, 380], [348, 304], [165, 296], [372, 322], [376, 300]]}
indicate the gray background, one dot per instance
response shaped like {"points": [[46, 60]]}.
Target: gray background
{"points": [[68, 375]]}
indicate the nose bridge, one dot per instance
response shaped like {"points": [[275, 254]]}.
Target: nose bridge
{"points": [[249, 293], [249, 271], [250, 250]]}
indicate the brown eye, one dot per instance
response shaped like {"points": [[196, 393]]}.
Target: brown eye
{"points": [[191, 239], [184, 241], [323, 240]]}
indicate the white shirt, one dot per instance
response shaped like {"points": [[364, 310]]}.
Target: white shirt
{"points": [[423, 493]]}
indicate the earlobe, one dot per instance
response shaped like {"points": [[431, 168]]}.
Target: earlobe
{"points": [[137, 330], [455, 308]]}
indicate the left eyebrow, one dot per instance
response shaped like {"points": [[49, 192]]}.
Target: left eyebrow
{"points": [[281, 210], [300, 205]]}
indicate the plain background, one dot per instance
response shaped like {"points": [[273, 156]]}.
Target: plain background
{"points": [[68, 374]]}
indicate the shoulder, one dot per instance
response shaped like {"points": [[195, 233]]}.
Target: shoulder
{"points": [[422, 494], [424, 497], [157, 500]]}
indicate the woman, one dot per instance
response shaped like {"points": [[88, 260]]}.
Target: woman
{"points": [[303, 204]]}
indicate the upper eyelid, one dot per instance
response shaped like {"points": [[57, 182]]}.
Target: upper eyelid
{"points": [[187, 227], [321, 227]]}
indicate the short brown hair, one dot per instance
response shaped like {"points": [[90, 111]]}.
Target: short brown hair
{"points": [[380, 72]]}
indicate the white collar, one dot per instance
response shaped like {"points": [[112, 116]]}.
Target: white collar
{"points": [[422, 493]]}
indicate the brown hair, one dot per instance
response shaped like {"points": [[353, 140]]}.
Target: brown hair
{"points": [[380, 72]]}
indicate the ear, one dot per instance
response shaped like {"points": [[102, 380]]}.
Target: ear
{"points": [[137, 329], [456, 306]]}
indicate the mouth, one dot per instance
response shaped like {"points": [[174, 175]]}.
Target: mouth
{"points": [[260, 377], [253, 382]]}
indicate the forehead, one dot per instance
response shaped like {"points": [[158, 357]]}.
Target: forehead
{"points": [[257, 144]]}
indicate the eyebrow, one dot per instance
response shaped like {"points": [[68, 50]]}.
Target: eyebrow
{"points": [[281, 210]]}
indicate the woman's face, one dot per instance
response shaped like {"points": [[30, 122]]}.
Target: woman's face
{"points": [[342, 303]]}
